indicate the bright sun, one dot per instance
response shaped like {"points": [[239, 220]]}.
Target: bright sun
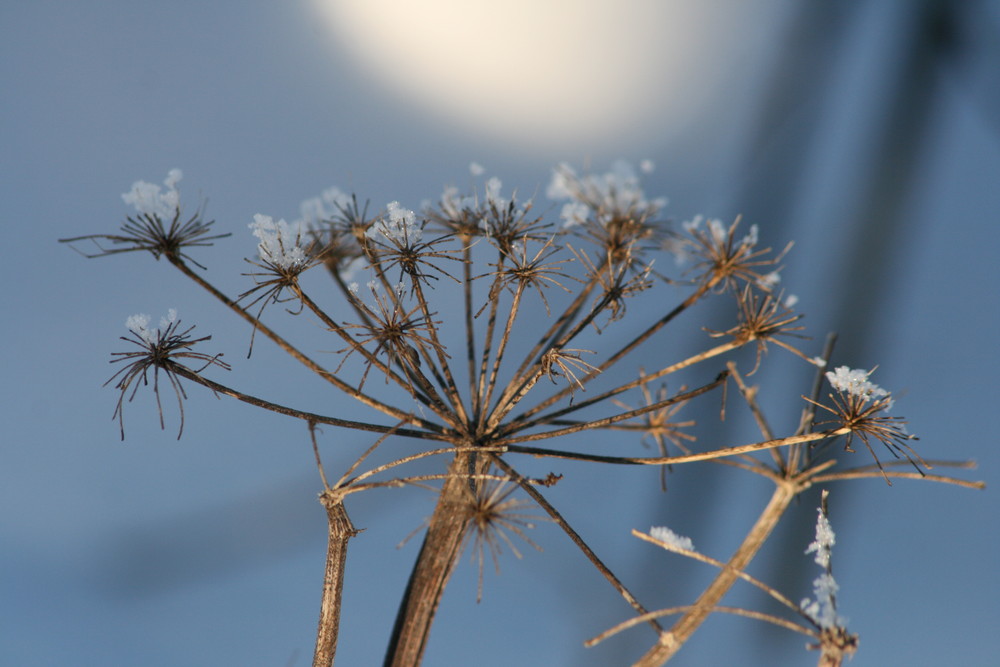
{"points": [[537, 72]]}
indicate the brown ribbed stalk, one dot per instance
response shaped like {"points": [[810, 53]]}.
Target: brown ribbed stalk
{"points": [[341, 530], [438, 556]]}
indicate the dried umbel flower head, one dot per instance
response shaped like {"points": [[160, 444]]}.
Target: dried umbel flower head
{"points": [[517, 272], [399, 333], [157, 227], [763, 318], [159, 349], [723, 258], [493, 516], [863, 407], [611, 210], [394, 242], [659, 425], [463, 362]]}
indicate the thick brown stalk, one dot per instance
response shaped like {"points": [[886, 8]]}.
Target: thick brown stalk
{"points": [[435, 564], [341, 530], [672, 640]]}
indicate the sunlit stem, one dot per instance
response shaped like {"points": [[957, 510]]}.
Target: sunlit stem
{"points": [[491, 324], [686, 626], [638, 340], [292, 351], [434, 566], [502, 345], [470, 333], [448, 384], [432, 400], [662, 460], [434, 431], [558, 327], [341, 530], [517, 424]]}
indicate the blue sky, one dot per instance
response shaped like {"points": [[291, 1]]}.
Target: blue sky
{"points": [[847, 129]]}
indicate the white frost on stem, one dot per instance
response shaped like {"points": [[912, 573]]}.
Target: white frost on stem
{"points": [[823, 610], [667, 536]]}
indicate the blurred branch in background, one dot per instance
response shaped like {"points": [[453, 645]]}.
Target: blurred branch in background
{"points": [[911, 52]]}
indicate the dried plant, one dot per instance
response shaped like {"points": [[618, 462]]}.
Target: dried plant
{"points": [[532, 295]]}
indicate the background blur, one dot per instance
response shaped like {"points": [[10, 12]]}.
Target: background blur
{"points": [[868, 132]]}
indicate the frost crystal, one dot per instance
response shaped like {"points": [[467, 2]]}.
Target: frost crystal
{"points": [[575, 213], [667, 536], [720, 234], [399, 224], [149, 199], [493, 193], [347, 272], [453, 204], [326, 207], [139, 325], [770, 280], [476, 169], [823, 611], [279, 242], [855, 382], [604, 197], [715, 227], [825, 539]]}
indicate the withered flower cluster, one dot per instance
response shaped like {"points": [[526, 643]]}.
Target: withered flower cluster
{"points": [[465, 306]]}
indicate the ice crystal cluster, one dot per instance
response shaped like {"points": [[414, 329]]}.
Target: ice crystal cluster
{"points": [[854, 381], [605, 197], [667, 536], [823, 610], [139, 325], [279, 241], [150, 199]]}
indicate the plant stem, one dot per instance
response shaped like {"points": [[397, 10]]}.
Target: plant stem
{"points": [[341, 530], [435, 564], [285, 345], [686, 626]]}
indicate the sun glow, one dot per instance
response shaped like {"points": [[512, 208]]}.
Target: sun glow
{"points": [[536, 72]]}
